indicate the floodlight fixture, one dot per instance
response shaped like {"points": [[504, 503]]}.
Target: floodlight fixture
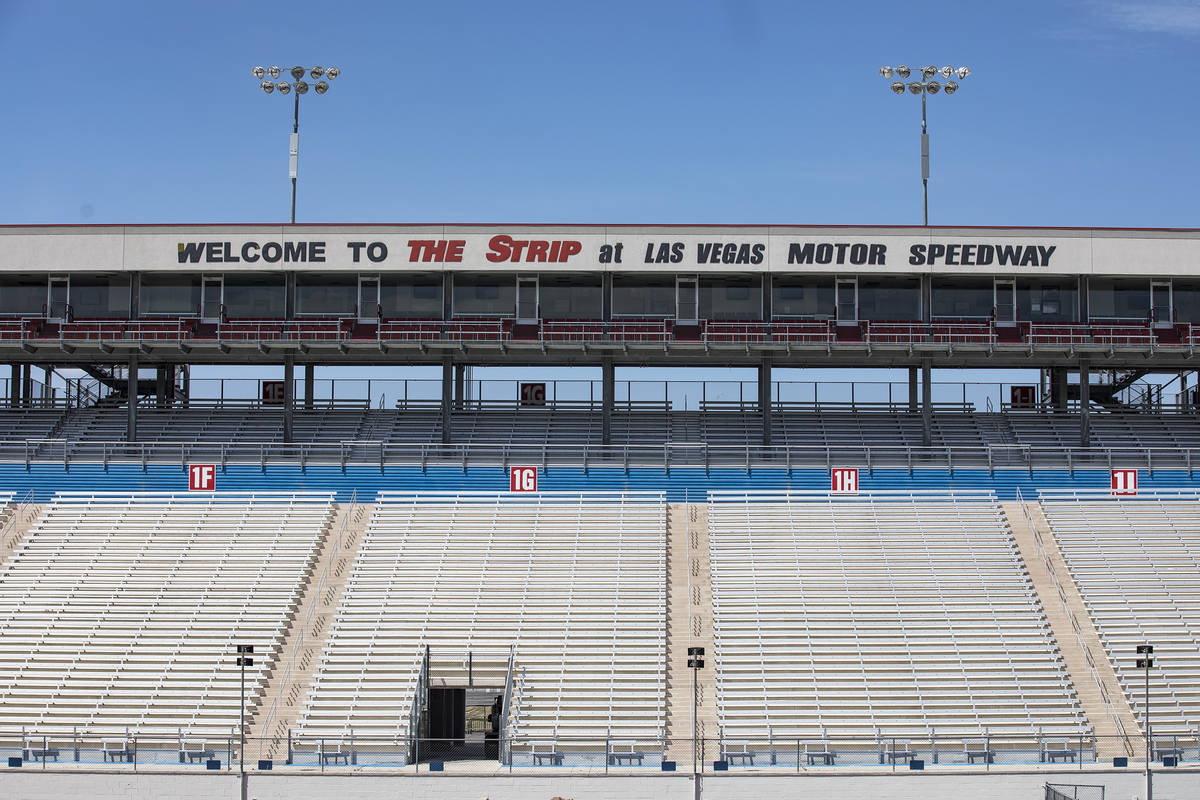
{"points": [[924, 87], [299, 86]]}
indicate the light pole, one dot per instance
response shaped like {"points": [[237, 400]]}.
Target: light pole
{"points": [[244, 660], [695, 664], [1146, 662], [299, 86], [925, 86]]}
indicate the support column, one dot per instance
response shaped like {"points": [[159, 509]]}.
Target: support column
{"points": [[131, 395], [309, 382], [14, 387], [608, 390], [160, 386], [1085, 432], [48, 394], [913, 402], [447, 397], [764, 398], [26, 384], [460, 378], [1058, 388], [606, 283], [289, 399], [927, 403]]}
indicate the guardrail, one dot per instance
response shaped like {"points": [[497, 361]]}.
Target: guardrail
{"points": [[663, 456]]}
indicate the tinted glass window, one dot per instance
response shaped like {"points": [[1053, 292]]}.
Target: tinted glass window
{"points": [[25, 296], [643, 296], [570, 297], [417, 296], [330, 295], [809, 296], [485, 295], [170, 294], [731, 298]]}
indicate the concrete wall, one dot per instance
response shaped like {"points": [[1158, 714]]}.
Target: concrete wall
{"points": [[14, 785]]}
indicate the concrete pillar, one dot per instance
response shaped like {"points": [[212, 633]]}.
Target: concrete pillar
{"points": [[447, 397], [1085, 432], [913, 402], [927, 403], [460, 379], [160, 386], [289, 400], [131, 394], [14, 387], [26, 384], [48, 396], [309, 382], [1058, 388], [608, 390], [764, 398]]}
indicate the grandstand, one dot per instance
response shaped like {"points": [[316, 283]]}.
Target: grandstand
{"points": [[973, 605]]}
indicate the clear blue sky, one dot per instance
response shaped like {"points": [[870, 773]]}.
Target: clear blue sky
{"points": [[1079, 112]]}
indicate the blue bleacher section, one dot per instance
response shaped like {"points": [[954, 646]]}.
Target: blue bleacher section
{"points": [[682, 483]]}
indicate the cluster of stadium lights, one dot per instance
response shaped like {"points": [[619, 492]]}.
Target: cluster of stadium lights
{"points": [[926, 73], [269, 74]]}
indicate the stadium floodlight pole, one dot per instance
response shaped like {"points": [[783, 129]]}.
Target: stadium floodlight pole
{"points": [[1146, 662], [299, 86], [244, 660], [925, 86]]}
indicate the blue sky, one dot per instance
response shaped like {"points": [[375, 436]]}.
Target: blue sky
{"points": [[1080, 112]]}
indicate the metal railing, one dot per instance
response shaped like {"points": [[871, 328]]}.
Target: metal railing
{"points": [[626, 752], [664, 456]]}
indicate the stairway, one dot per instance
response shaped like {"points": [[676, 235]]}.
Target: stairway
{"points": [[1083, 653], [14, 527], [291, 675], [689, 624]]}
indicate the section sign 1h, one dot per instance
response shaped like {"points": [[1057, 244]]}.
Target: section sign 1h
{"points": [[843, 480]]}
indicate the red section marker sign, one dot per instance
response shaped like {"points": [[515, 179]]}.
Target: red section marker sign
{"points": [[272, 393], [533, 394], [202, 477], [522, 479], [1123, 482], [843, 480]]}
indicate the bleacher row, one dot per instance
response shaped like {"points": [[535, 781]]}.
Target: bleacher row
{"points": [[717, 425], [894, 614]]}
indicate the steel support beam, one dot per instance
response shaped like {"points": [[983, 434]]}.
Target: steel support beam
{"points": [[608, 389], [927, 403], [1085, 432], [460, 380], [131, 395], [289, 399], [310, 383], [764, 398], [447, 397], [913, 402]]}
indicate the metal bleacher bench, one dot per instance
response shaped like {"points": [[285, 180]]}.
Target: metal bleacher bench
{"points": [[978, 749], [545, 752], [821, 751], [897, 751], [191, 752], [624, 753], [32, 752], [1164, 748], [1057, 750], [337, 754], [740, 753], [119, 750]]}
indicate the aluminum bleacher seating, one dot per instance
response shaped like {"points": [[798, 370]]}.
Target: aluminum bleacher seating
{"points": [[573, 583], [121, 612], [889, 613], [1136, 561]]}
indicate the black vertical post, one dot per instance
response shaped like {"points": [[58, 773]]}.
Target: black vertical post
{"points": [[447, 397], [764, 398], [607, 399], [131, 394], [289, 391], [1085, 433], [927, 403]]}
